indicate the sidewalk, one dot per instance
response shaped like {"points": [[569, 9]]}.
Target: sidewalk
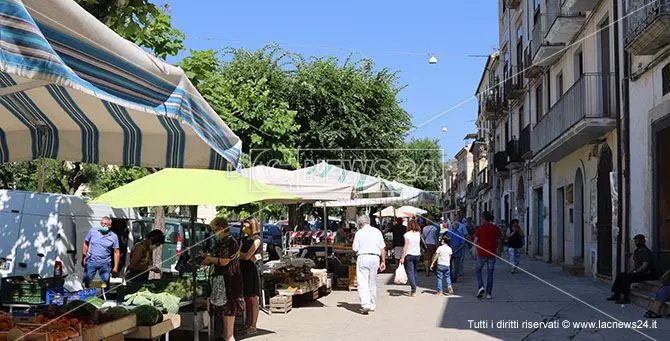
{"points": [[516, 298]]}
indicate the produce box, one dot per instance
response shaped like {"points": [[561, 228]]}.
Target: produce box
{"points": [[31, 337], [59, 296], [109, 329], [27, 291], [52, 332], [281, 304], [170, 323]]}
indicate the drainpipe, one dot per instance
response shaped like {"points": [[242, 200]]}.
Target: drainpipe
{"points": [[626, 153], [550, 215], [620, 210]]}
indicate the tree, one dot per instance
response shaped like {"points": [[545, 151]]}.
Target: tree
{"points": [[348, 112], [419, 164], [247, 92], [139, 21], [114, 177]]}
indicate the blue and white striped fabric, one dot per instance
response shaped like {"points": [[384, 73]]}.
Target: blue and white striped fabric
{"points": [[72, 89], [364, 185]]}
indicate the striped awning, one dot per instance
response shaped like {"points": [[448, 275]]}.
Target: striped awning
{"points": [[364, 185], [72, 89]]}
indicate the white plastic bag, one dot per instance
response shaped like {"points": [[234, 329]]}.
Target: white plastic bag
{"points": [[400, 275]]}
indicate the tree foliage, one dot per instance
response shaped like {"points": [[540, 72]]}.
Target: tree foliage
{"points": [[420, 164], [139, 21]]}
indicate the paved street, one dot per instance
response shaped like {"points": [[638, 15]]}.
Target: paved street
{"points": [[518, 297]]}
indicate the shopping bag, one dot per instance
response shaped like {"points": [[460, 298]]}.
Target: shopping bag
{"points": [[400, 275]]}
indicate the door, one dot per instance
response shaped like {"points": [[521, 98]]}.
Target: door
{"points": [[540, 221], [560, 222], [506, 214], [662, 192], [579, 218], [604, 225]]}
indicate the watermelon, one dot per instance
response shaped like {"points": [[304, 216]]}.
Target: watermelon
{"points": [[147, 315]]}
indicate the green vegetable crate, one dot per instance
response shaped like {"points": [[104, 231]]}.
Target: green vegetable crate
{"points": [[19, 290]]}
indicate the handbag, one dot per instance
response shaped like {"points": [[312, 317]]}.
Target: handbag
{"points": [[217, 295], [422, 244]]}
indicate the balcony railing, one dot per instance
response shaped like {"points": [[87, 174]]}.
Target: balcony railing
{"points": [[532, 70], [492, 101], [647, 26], [513, 151], [562, 24], [500, 162], [514, 84], [592, 96]]}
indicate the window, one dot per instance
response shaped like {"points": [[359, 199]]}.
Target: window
{"points": [[539, 112], [559, 85], [522, 123], [507, 132], [665, 75], [579, 65]]}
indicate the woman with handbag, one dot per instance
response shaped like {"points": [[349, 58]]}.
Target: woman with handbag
{"points": [[411, 253], [249, 256], [226, 277], [657, 308]]}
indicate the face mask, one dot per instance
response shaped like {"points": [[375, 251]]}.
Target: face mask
{"points": [[103, 229]]}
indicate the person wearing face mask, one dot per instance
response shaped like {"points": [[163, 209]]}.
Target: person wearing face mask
{"points": [[99, 245], [226, 296], [142, 257]]}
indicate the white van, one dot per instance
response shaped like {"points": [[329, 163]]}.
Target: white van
{"points": [[40, 232]]}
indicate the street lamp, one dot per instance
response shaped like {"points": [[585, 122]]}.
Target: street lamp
{"points": [[433, 59]]}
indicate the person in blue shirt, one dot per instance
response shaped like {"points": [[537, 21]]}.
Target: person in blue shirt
{"points": [[99, 245], [457, 233]]}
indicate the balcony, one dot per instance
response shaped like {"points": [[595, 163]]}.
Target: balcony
{"points": [[500, 162], [493, 106], [562, 25], [543, 51], [524, 143], [532, 71], [579, 5], [514, 87], [647, 26], [513, 150], [584, 113], [513, 4]]}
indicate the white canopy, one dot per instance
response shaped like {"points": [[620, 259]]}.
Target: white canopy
{"points": [[408, 196], [364, 185], [387, 212], [308, 188]]}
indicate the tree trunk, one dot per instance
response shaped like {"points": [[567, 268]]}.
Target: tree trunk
{"points": [[159, 224]]}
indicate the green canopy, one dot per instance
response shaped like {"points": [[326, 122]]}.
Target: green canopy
{"points": [[178, 186]]}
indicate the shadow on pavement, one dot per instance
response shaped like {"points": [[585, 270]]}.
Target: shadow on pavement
{"points": [[397, 293], [348, 306], [259, 332]]}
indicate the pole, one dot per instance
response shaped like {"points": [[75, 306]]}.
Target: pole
{"points": [[325, 224], [259, 269], [196, 331]]}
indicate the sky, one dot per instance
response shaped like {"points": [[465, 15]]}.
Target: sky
{"points": [[396, 34]]}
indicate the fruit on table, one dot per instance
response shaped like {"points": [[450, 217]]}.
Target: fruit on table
{"points": [[82, 309], [6, 322], [112, 314]]}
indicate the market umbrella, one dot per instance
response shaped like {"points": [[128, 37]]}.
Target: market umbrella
{"points": [[411, 211], [72, 89], [364, 185], [192, 187], [386, 212], [309, 189]]}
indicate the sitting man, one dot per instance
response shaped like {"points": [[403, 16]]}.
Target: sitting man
{"points": [[643, 269]]}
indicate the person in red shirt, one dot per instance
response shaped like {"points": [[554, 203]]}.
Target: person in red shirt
{"points": [[486, 239]]}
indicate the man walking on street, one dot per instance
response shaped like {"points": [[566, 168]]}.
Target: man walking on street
{"points": [[458, 245], [369, 245], [486, 239], [642, 268], [99, 245], [430, 233]]}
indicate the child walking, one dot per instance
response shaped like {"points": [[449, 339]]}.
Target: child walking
{"points": [[443, 259]]}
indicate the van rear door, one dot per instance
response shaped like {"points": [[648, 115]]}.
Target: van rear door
{"points": [[39, 235], [11, 207]]}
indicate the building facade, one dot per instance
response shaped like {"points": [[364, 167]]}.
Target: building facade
{"points": [[550, 100], [465, 164]]}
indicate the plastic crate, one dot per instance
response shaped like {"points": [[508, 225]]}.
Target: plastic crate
{"points": [[27, 291], [59, 296]]}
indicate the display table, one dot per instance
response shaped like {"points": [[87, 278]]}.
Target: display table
{"points": [[110, 331]]}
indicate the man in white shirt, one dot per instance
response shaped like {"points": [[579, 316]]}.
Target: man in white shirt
{"points": [[370, 246]]}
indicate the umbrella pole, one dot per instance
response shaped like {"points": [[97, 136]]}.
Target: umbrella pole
{"points": [[259, 270], [196, 331], [325, 225]]}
